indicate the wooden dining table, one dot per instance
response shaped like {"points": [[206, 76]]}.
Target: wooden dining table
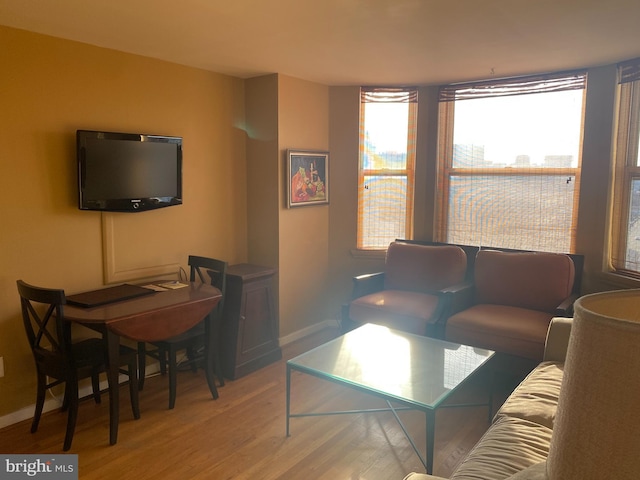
{"points": [[157, 316]]}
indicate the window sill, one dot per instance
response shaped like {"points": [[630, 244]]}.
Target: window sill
{"points": [[368, 254], [617, 281]]}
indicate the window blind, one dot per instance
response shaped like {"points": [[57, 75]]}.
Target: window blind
{"points": [[387, 164], [494, 190], [625, 251], [629, 71], [557, 82], [388, 94]]}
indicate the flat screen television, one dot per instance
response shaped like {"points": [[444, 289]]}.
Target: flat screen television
{"points": [[127, 172]]}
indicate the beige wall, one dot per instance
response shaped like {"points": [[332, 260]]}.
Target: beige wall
{"points": [[48, 89], [303, 123], [282, 113], [344, 134], [262, 189]]}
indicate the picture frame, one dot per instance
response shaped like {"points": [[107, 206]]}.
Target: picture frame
{"points": [[307, 178]]}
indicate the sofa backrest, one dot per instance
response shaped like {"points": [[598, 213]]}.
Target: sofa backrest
{"points": [[533, 280], [422, 268]]}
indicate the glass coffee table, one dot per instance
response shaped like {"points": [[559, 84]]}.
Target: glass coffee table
{"points": [[415, 372]]}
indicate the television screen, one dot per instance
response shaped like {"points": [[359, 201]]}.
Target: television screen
{"points": [[124, 172]]}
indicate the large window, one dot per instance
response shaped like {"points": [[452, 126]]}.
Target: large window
{"points": [[509, 162], [625, 255], [386, 167]]}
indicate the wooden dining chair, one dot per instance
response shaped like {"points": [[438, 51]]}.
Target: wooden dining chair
{"points": [[59, 360], [193, 341]]}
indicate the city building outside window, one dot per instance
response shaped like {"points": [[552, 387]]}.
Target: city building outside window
{"points": [[386, 166], [509, 155]]}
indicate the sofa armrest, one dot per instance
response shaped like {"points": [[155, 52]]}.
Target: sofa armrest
{"points": [[555, 347], [460, 288], [460, 297], [366, 284], [452, 297], [565, 309]]}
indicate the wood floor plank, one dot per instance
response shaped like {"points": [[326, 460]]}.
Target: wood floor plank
{"points": [[242, 434]]}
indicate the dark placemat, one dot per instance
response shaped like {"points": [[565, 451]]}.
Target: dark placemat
{"points": [[103, 296]]}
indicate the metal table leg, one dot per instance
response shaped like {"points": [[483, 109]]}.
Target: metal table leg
{"points": [[288, 401], [431, 436]]}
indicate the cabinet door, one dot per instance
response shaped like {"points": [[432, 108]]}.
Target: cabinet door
{"points": [[258, 335], [250, 327]]}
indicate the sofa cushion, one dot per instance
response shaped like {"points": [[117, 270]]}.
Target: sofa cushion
{"points": [[422, 476], [423, 268], [532, 280], [510, 445], [505, 329], [403, 310], [536, 398]]}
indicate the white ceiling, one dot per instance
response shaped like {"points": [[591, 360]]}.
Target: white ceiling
{"points": [[349, 42]]}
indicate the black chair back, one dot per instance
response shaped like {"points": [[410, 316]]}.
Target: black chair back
{"points": [[58, 360], [49, 336], [215, 269]]}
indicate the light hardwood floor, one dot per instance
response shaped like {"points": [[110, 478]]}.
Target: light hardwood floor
{"points": [[242, 434]]}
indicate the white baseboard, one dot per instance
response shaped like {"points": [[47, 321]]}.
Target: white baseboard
{"points": [[25, 413], [315, 328], [52, 403], [152, 369], [55, 402]]}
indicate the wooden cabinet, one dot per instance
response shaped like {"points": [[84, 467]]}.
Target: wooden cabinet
{"points": [[249, 330]]}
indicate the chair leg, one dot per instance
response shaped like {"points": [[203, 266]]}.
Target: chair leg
{"points": [[211, 379], [72, 388], [65, 399], [95, 386], [173, 366], [162, 358], [210, 351], [133, 388], [142, 364], [219, 369], [42, 390], [216, 337], [191, 356]]}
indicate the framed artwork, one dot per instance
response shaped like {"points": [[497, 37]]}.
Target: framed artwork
{"points": [[307, 178]]}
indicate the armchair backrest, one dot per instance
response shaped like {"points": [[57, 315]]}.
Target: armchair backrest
{"points": [[533, 280], [423, 268]]}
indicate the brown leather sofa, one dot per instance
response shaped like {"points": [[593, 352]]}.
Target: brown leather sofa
{"points": [[513, 297], [411, 293], [502, 301]]}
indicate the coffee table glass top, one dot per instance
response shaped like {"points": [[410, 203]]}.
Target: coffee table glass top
{"points": [[414, 369]]}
